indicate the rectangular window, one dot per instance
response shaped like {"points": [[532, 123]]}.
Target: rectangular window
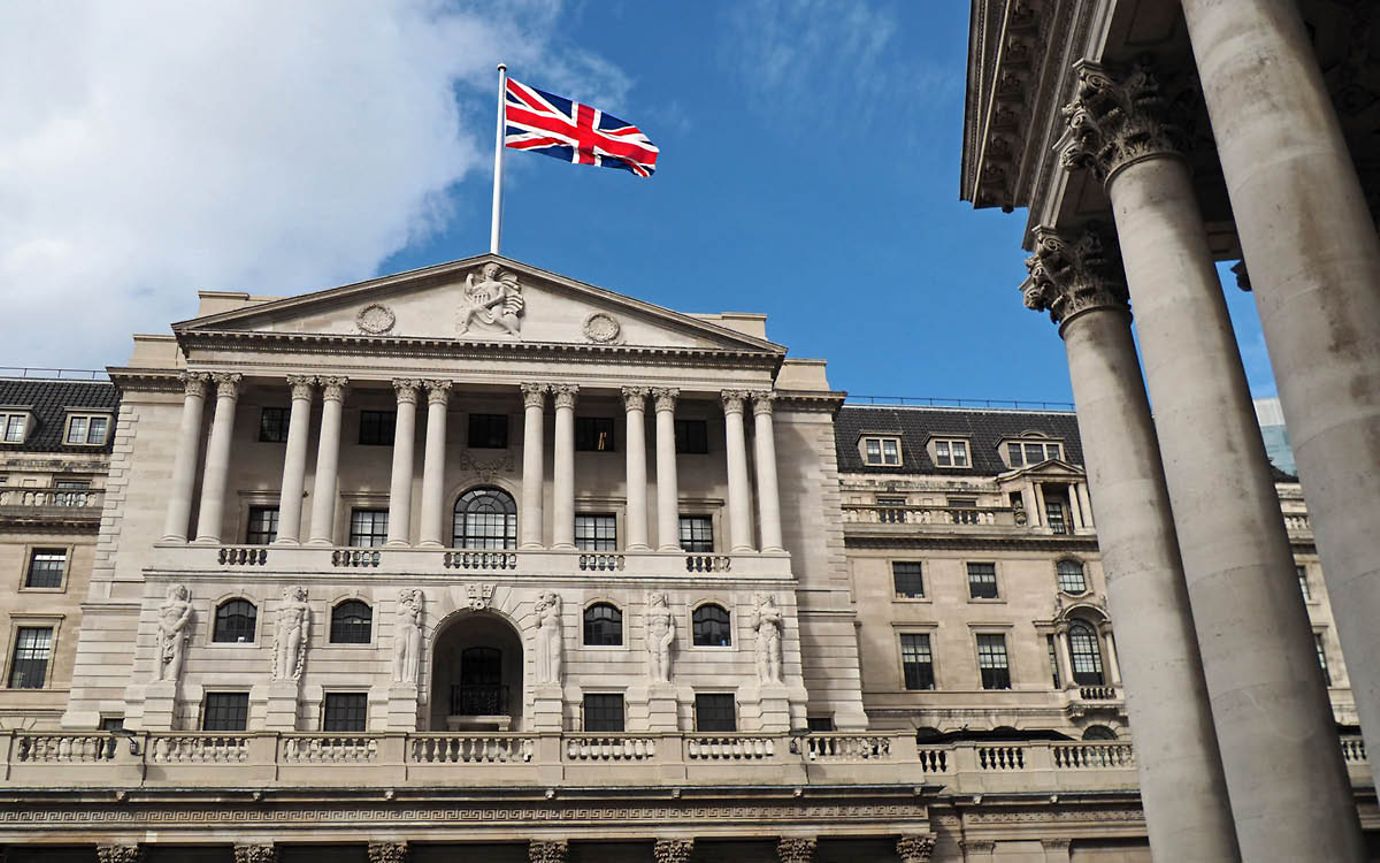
{"points": [[603, 712], [692, 437], [71, 492], [715, 711], [1321, 647], [907, 578], [87, 429], [14, 427], [982, 580], [594, 434], [1053, 660], [891, 510], [488, 431], [376, 427], [273, 425], [1303, 582], [345, 711], [33, 648], [882, 451], [992, 663], [225, 711], [819, 723], [263, 525], [697, 533], [46, 567], [596, 532], [917, 662], [112, 723], [951, 453], [368, 527]]}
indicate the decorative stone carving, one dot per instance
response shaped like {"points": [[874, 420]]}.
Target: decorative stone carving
{"points": [[332, 388], [1115, 120], [763, 401], [550, 654], [665, 398], [547, 851], [767, 622], [256, 854], [661, 632], [486, 469], [915, 849], [1069, 276], [437, 392], [194, 383], [227, 384], [602, 328], [119, 853], [387, 852], [174, 623], [635, 398], [534, 395], [407, 636], [733, 400], [375, 319], [290, 634], [673, 850], [480, 596], [796, 850], [301, 386], [564, 394], [494, 300], [406, 390]]}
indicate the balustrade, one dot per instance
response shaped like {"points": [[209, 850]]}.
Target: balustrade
{"points": [[848, 747], [355, 557], [68, 499], [199, 749], [471, 749], [708, 563], [329, 749], [729, 748], [602, 562], [242, 555], [480, 560], [1087, 755], [610, 748], [930, 515]]}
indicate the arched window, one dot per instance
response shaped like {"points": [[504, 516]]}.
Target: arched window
{"points": [[235, 620], [1086, 654], [1071, 577], [711, 627], [603, 625], [1098, 732], [351, 622], [485, 518]]}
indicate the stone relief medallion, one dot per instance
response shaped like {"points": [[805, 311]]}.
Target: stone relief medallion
{"points": [[375, 319], [602, 328]]}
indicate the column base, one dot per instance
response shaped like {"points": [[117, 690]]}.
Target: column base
{"points": [[742, 549], [397, 543], [206, 540], [173, 538], [531, 546], [430, 543], [638, 546], [319, 542], [286, 540], [668, 548], [563, 546]]}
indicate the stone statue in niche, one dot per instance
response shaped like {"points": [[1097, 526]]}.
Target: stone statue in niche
{"points": [[174, 621], [550, 639], [661, 631], [767, 622], [290, 634], [494, 299], [407, 638]]}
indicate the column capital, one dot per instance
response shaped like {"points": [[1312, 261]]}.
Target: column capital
{"points": [[733, 400], [119, 853], [437, 391], [635, 399], [227, 384], [194, 383], [547, 851], [796, 850], [301, 386], [333, 388], [406, 390], [387, 852], [763, 401], [673, 850], [534, 395], [1072, 274], [915, 849], [256, 853], [665, 398], [1116, 118], [564, 395]]}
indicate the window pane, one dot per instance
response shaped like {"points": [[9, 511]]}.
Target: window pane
{"points": [[345, 711], [273, 425], [891, 451], [14, 428], [1085, 654], [33, 647], [594, 434], [692, 436], [715, 712], [710, 625], [96, 433], [488, 431], [235, 621], [1303, 582], [485, 518], [873, 450], [982, 580], [368, 527], [376, 427], [76, 430], [263, 525], [1322, 657], [907, 579], [941, 453], [226, 711], [917, 661], [603, 713], [1034, 453], [960, 450], [1013, 453], [596, 532], [996, 674], [603, 625], [697, 534], [1071, 578], [1053, 660], [351, 623], [46, 567]]}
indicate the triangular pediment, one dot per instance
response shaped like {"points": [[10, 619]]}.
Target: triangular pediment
{"points": [[1048, 469], [488, 299]]}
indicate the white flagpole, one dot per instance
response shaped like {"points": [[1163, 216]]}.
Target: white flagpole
{"points": [[494, 229]]}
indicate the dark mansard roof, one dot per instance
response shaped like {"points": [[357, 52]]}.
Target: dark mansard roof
{"points": [[50, 401]]}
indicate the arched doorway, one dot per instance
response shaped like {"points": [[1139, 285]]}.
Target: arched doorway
{"points": [[476, 675]]}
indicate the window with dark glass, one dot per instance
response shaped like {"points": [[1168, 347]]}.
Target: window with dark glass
{"points": [[345, 711], [376, 427], [33, 649], [112, 723], [692, 436], [1085, 654], [603, 712], [262, 527], [891, 509], [697, 534], [917, 661], [235, 620], [1053, 660], [982, 580], [1098, 732], [46, 567], [1302, 572], [819, 723], [1321, 647], [710, 626], [488, 431], [14, 427], [715, 711], [87, 430], [273, 425], [596, 532], [594, 434], [907, 578], [225, 711], [603, 625], [1071, 577], [368, 527], [485, 518], [352, 622], [992, 662], [951, 453], [1022, 453], [882, 451]]}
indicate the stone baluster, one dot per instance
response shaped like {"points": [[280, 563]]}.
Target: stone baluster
{"points": [[323, 495], [739, 490], [295, 461], [533, 463], [547, 851], [404, 440], [635, 405], [796, 850], [184, 460], [768, 490], [667, 485], [217, 470], [431, 531], [673, 850], [563, 468]]}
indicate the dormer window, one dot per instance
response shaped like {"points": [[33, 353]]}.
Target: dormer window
{"points": [[86, 429], [950, 453], [14, 426], [1021, 453], [881, 451]]}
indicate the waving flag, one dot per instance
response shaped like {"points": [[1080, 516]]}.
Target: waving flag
{"points": [[554, 126]]}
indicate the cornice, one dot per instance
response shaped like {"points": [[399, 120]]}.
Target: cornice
{"points": [[1087, 544], [146, 379], [810, 400]]}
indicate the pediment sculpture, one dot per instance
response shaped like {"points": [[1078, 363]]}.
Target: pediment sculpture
{"points": [[492, 300]]}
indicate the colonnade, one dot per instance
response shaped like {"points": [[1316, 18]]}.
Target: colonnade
{"points": [[431, 521]]}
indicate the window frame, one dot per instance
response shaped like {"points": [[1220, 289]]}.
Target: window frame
{"points": [[382, 426], [69, 421], [363, 709], [619, 620], [277, 430], [995, 580], [688, 443], [250, 527], [1320, 645], [978, 638], [332, 626], [1082, 574], [1015, 454], [948, 457], [19, 625], [376, 539], [223, 693], [585, 712], [1094, 642], [905, 666], [31, 553], [485, 423], [25, 419], [897, 594], [727, 624], [460, 539], [597, 522], [589, 428], [1305, 582], [881, 454], [707, 520], [216, 617], [731, 699]]}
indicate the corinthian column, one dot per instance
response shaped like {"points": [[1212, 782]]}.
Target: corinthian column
{"points": [[1180, 770], [217, 470], [327, 463], [563, 472], [295, 461], [667, 485], [184, 461], [1254, 636], [533, 469], [768, 492], [400, 489], [432, 527], [739, 493], [635, 404]]}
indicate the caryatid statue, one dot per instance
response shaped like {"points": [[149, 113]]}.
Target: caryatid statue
{"points": [[174, 621], [407, 637], [767, 621], [290, 634], [550, 639], [661, 631]]}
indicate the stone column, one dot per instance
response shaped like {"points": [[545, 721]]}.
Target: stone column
{"points": [[768, 490], [388, 852], [404, 438], [323, 492], [635, 404], [739, 490], [1085, 503], [667, 485], [547, 851], [1310, 241], [184, 460], [915, 848], [1110, 660], [431, 532], [1254, 633], [259, 853], [673, 850], [217, 469], [132, 853], [1177, 759], [533, 463], [295, 461], [1061, 655], [563, 469], [796, 850]]}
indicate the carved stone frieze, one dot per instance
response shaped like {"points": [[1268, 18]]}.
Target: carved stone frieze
{"points": [[387, 852], [915, 849], [673, 850], [492, 299], [1072, 275], [1115, 119], [487, 469], [547, 851], [256, 854], [796, 850], [119, 853], [479, 596]]}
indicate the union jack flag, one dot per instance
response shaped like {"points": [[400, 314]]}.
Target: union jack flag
{"points": [[544, 123]]}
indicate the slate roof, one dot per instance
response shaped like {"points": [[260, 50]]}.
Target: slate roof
{"points": [[984, 429], [48, 400]]}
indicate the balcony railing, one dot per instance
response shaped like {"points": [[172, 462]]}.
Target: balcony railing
{"points": [[478, 700], [929, 515], [51, 502]]}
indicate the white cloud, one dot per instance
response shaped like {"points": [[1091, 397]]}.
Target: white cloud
{"points": [[150, 149]]}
